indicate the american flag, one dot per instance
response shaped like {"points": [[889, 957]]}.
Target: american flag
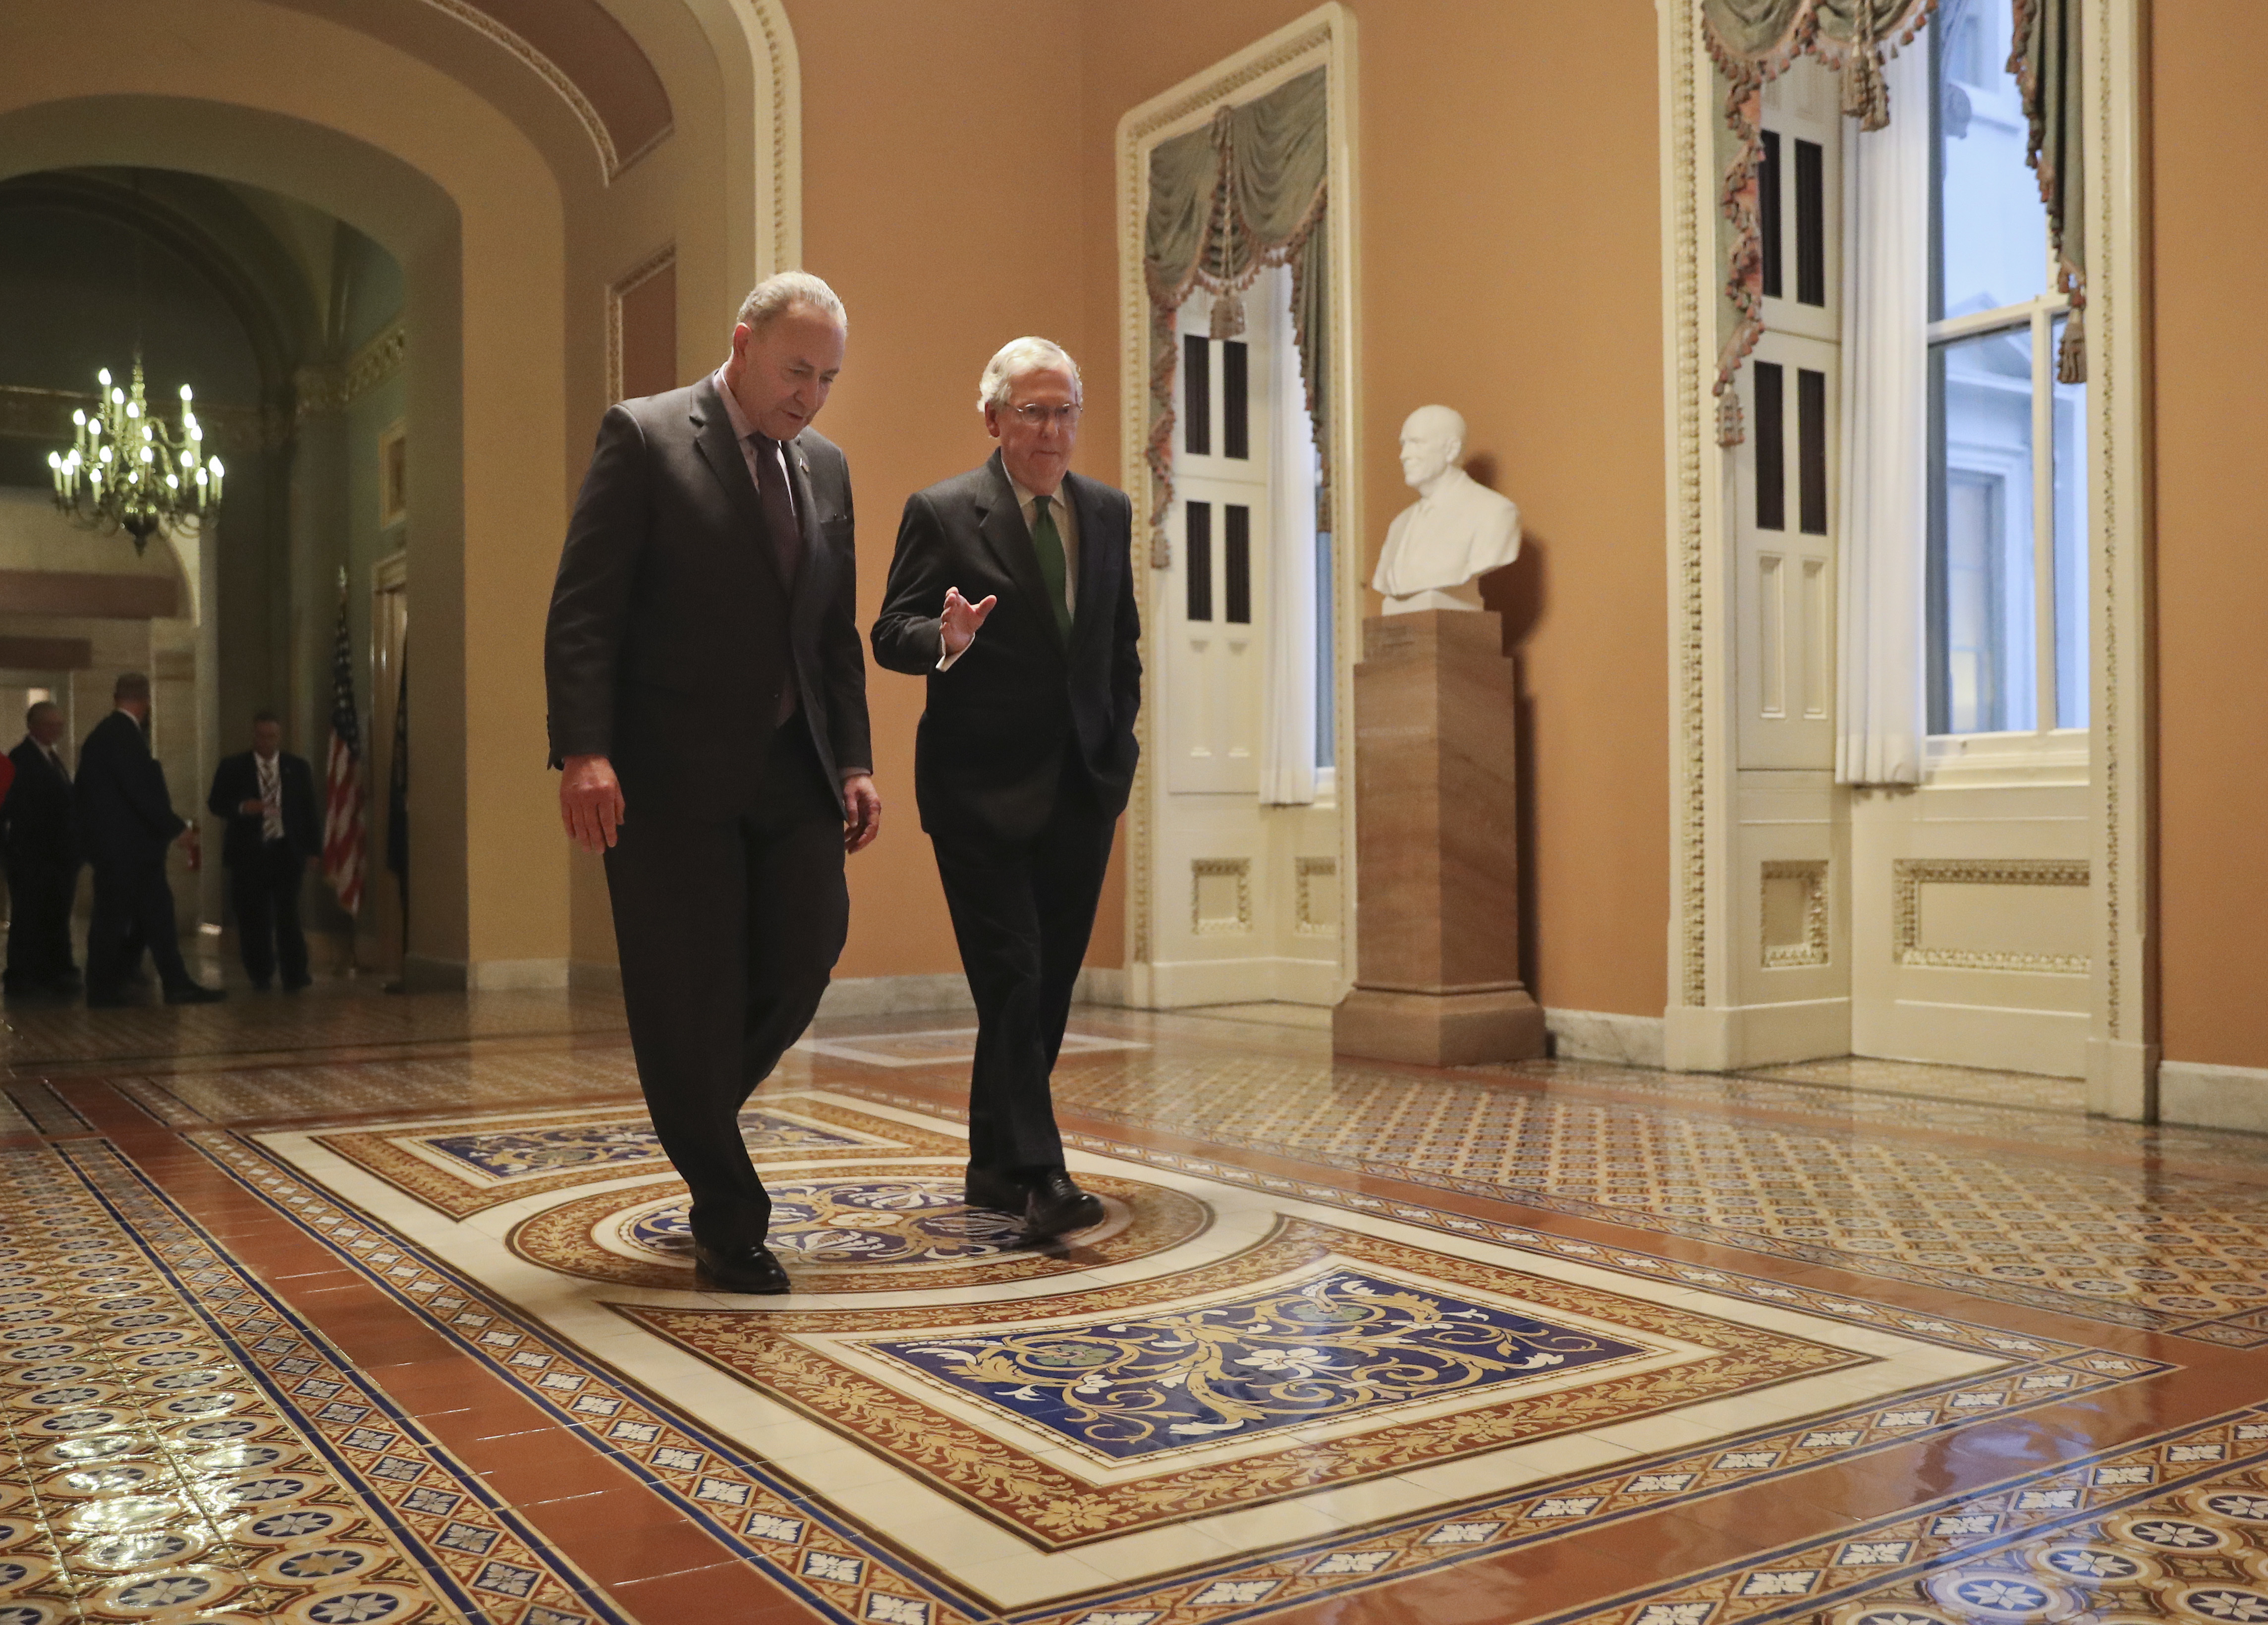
{"points": [[343, 840]]}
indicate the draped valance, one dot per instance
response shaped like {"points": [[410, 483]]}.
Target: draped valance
{"points": [[2046, 63], [1754, 41], [1245, 192]]}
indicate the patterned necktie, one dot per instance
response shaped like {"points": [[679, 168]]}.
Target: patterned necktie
{"points": [[271, 801], [787, 538], [1049, 543]]}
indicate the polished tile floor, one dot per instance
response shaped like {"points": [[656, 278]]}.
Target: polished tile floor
{"points": [[346, 1308]]}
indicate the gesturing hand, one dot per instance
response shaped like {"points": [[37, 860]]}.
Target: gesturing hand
{"points": [[961, 619], [862, 812], [590, 802]]}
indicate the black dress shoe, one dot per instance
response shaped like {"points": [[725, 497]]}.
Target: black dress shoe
{"points": [[293, 984], [997, 1193], [259, 984], [749, 1268], [194, 992], [1057, 1207], [106, 999]]}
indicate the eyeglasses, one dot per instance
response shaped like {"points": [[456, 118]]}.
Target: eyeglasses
{"points": [[1040, 416]]}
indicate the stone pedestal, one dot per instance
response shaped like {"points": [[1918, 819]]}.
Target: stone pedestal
{"points": [[1437, 920]]}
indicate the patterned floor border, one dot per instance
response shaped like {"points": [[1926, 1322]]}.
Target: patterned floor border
{"points": [[834, 1565], [2246, 1328], [468, 1548], [1925, 1565]]}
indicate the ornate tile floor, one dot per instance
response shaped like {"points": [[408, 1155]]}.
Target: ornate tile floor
{"points": [[351, 1309]]}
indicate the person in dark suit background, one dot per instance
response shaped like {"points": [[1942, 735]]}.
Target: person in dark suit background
{"points": [[267, 797], [708, 711], [126, 821], [1013, 591], [42, 854]]}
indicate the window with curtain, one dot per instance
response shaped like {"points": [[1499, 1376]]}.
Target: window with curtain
{"points": [[2006, 579]]}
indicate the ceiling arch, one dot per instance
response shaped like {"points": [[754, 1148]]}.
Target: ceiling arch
{"points": [[590, 60]]}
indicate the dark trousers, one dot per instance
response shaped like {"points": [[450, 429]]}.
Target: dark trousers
{"points": [[266, 892], [1022, 914], [728, 930], [40, 895], [133, 910]]}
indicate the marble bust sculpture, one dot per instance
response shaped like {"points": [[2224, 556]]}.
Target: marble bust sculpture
{"points": [[1457, 530]]}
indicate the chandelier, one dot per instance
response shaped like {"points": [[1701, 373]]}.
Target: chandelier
{"points": [[127, 471]]}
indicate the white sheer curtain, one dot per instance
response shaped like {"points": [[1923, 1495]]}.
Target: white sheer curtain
{"points": [[1287, 724], [1883, 714]]}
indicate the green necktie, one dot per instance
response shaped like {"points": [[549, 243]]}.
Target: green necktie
{"points": [[1048, 544]]}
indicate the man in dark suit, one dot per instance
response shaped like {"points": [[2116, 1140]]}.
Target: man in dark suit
{"points": [[708, 702], [42, 855], [126, 821], [267, 797], [1014, 591]]}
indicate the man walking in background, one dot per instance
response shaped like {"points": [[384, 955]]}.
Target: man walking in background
{"points": [[708, 702], [268, 798], [126, 821], [42, 854], [1013, 591]]}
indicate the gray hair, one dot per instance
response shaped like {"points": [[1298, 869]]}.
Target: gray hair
{"points": [[1016, 357], [31, 715], [772, 297], [131, 685]]}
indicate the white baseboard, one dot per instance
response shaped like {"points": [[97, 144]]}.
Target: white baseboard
{"points": [[1605, 1035], [589, 975], [1175, 985], [1100, 985], [2122, 1080], [426, 973], [1725, 1037], [896, 995], [2200, 1095]]}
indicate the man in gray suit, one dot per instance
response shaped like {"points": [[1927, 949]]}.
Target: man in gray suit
{"points": [[708, 709]]}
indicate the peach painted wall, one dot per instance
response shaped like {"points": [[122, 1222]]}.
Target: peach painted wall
{"points": [[945, 210], [2211, 240]]}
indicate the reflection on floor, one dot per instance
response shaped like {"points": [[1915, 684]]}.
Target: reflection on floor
{"points": [[351, 1309]]}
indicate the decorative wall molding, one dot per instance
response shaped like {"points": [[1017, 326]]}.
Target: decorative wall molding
{"points": [[27, 413], [611, 162], [619, 289], [1811, 874], [1684, 188], [1909, 875], [1307, 874], [1236, 869], [333, 389], [1324, 38]]}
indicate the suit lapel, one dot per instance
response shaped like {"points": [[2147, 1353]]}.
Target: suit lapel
{"points": [[1097, 593], [806, 521], [1004, 532], [713, 427]]}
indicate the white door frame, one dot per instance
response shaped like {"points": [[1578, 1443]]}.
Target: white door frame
{"points": [[1323, 38], [1706, 1026]]}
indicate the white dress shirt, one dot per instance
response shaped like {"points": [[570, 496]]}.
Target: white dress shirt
{"points": [[1027, 503]]}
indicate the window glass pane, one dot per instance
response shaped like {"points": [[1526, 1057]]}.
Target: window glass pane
{"points": [[1197, 567], [1980, 545], [1767, 212], [1991, 229], [1196, 395], [2071, 552]]}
